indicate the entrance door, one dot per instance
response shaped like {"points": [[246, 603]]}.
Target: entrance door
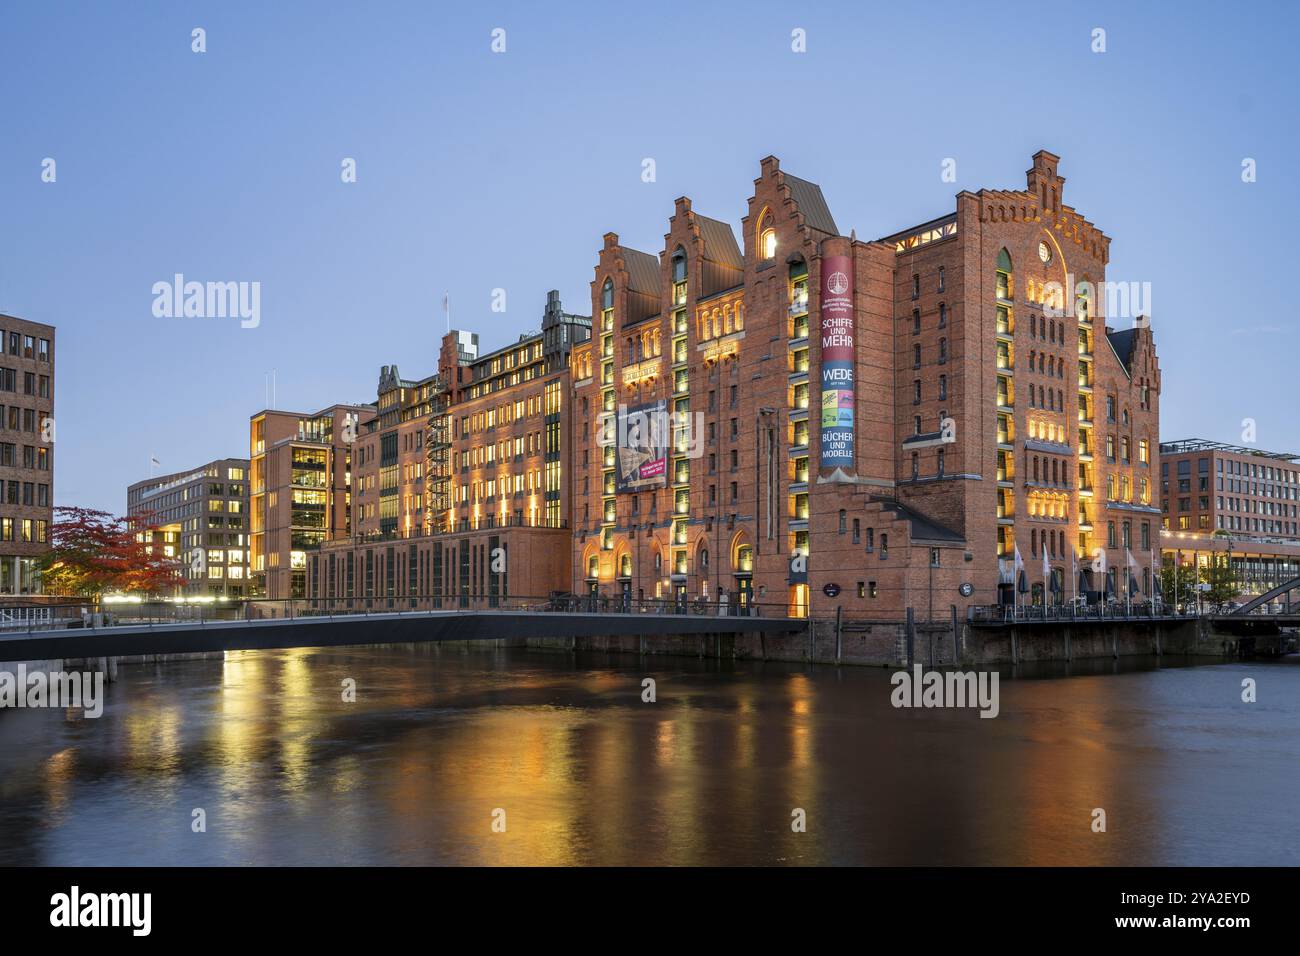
{"points": [[744, 595]]}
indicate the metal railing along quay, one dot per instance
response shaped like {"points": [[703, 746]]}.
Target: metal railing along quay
{"points": [[1029, 613], [136, 613]]}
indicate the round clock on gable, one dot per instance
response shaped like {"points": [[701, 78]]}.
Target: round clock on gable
{"points": [[1045, 252]]}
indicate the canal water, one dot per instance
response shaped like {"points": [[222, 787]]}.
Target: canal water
{"points": [[563, 752]]}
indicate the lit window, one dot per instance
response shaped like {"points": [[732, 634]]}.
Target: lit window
{"points": [[767, 236]]}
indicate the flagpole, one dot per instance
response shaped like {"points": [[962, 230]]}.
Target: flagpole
{"points": [[1128, 582], [1015, 583], [1155, 586], [1177, 557], [1044, 584]]}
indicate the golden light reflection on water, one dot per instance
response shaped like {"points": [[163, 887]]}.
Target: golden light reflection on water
{"points": [[665, 741], [153, 741], [1073, 754], [587, 772], [520, 761], [58, 774], [801, 707]]}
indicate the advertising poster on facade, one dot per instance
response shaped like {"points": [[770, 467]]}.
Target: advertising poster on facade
{"points": [[837, 363], [641, 443]]}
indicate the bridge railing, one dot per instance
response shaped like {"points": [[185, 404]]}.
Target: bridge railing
{"points": [[135, 613], [1028, 613], [553, 603]]}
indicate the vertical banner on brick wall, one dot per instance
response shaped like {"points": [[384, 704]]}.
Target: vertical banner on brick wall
{"points": [[837, 362]]}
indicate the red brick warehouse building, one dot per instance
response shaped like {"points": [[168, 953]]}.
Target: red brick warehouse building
{"points": [[865, 424], [800, 419], [461, 489]]}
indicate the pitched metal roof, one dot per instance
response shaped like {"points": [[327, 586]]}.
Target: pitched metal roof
{"points": [[1122, 343], [720, 242], [642, 271], [922, 528], [808, 196]]}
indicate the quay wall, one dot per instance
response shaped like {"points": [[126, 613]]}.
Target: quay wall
{"points": [[894, 644]]}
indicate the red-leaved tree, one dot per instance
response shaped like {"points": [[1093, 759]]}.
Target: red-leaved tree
{"points": [[93, 553]]}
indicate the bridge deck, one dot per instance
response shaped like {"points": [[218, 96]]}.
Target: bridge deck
{"points": [[349, 629]]}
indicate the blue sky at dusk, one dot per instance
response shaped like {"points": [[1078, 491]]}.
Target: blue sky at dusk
{"points": [[479, 171]]}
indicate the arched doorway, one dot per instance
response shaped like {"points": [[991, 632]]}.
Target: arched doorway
{"points": [[623, 566], [742, 571]]}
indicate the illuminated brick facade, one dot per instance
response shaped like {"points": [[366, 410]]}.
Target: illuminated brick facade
{"points": [[799, 419], [300, 492], [462, 493]]}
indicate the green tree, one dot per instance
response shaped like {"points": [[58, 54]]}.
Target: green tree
{"points": [[1220, 581], [1185, 594]]}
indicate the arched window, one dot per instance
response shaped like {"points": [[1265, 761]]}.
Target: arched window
{"points": [[1004, 287], [607, 295], [679, 265], [767, 236], [745, 558]]}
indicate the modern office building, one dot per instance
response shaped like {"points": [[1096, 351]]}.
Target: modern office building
{"points": [[1223, 499], [461, 484], [27, 435], [199, 518], [300, 491], [1212, 486]]}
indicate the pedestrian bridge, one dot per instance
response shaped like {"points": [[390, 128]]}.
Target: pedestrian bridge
{"points": [[179, 636], [1268, 598]]}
